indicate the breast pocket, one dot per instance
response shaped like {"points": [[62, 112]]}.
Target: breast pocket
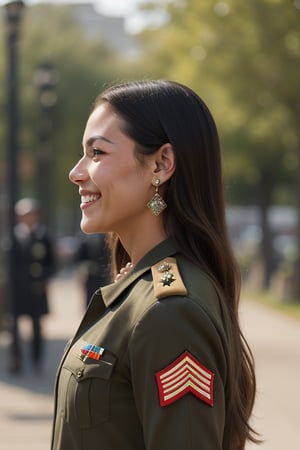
{"points": [[88, 386]]}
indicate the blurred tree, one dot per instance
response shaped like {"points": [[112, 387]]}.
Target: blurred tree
{"points": [[51, 34], [243, 58]]}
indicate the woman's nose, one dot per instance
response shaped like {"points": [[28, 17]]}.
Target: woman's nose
{"points": [[78, 173]]}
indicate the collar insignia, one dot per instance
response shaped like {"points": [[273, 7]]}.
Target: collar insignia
{"points": [[166, 279]]}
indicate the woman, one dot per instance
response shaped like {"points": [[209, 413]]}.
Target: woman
{"points": [[158, 361]]}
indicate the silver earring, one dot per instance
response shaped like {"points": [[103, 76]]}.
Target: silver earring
{"points": [[157, 203]]}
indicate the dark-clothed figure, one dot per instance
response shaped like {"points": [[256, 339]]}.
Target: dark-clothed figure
{"points": [[34, 265], [94, 255]]}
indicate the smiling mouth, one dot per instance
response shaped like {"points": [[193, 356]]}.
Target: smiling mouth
{"points": [[89, 198]]}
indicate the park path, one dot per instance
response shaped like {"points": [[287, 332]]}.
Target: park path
{"points": [[26, 402]]}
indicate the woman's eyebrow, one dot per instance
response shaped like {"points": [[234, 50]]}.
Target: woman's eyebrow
{"points": [[92, 139]]}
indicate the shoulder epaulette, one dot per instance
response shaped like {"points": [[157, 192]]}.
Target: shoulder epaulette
{"points": [[166, 279]]}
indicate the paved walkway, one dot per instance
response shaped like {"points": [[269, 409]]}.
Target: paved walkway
{"points": [[26, 402], [275, 342]]}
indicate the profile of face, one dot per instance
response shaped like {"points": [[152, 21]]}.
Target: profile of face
{"points": [[114, 186]]}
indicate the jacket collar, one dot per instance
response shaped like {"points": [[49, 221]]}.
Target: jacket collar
{"points": [[111, 292]]}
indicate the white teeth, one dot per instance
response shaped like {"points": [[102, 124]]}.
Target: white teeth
{"points": [[89, 198]]}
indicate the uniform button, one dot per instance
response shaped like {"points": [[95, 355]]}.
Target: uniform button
{"points": [[79, 373]]}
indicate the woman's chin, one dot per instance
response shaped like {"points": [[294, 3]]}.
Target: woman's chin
{"points": [[90, 227], [87, 227]]}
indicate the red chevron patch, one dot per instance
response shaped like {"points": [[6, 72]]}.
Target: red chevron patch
{"points": [[185, 374]]}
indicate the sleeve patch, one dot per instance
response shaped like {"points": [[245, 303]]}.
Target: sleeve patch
{"points": [[185, 374]]}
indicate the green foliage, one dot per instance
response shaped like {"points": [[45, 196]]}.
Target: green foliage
{"points": [[242, 57], [244, 60], [51, 34]]}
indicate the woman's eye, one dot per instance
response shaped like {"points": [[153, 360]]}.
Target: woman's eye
{"points": [[97, 152]]}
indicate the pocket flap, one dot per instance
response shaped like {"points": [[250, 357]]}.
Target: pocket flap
{"points": [[84, 368]]}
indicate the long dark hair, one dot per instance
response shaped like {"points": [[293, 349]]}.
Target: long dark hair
{"points": [[159, 112]]}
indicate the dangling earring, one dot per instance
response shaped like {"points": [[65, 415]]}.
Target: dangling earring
{"points": [[157, 203]]}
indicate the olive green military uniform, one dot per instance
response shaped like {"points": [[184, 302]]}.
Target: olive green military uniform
{"points": [[147, 366]]}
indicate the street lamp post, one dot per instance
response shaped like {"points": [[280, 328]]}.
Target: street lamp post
{"points": [[45, 78], [13, 14], [13, 11]]}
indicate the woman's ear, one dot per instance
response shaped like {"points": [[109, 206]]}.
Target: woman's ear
{"points": [[165, 163]]}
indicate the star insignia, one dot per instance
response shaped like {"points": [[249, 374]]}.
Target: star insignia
{"points": [[164, 267], [167, 279]]}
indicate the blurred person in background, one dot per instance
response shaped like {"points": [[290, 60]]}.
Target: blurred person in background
{"points": [[159, 361], [94, 258], [35, 264]]}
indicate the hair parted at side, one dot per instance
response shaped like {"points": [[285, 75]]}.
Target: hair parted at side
{"points": [[157, 112]]}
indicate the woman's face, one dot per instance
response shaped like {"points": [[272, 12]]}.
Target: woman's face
{"points": [[114, 187]]}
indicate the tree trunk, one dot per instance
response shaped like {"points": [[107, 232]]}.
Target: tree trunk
{"points": [[296, 278], [264, 199]]}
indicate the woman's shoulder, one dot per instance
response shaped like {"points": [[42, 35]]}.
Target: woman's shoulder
{"points": [[179, 277], [177, 288], [200, 286], [184, 310]]}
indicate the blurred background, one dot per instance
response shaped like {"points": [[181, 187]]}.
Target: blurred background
{"points": [[243, 58]]}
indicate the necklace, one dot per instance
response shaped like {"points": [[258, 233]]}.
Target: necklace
{"points": [[124, 271]]}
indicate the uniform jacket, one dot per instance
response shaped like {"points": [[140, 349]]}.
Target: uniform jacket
{"points": [[35, 263], [147, 366]]}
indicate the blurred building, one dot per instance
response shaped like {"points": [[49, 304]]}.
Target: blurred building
{"points": [[107, 28]]}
